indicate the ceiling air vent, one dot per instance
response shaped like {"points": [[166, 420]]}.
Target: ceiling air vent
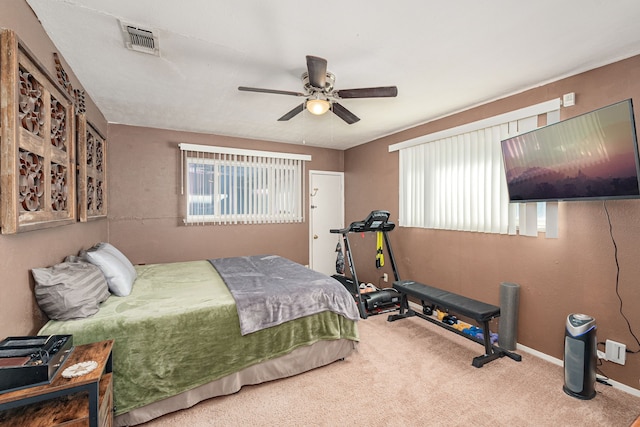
{"points": [[140, 39]]}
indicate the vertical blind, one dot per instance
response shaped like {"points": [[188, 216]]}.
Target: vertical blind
{"points": [[457, 182], [224, 185]]}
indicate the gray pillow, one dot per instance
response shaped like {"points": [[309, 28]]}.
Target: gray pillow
{"points": [[70, 290]]}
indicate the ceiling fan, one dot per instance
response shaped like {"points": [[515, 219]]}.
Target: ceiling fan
{"points": [[320, 94]]}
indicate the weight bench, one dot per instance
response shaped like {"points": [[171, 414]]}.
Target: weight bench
{"points": [[479, 311]]}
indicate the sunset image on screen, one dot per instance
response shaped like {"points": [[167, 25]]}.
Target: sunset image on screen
{"points": [[589, 156]]}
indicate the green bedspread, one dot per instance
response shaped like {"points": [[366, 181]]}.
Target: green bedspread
{"points": [[179, 329]]}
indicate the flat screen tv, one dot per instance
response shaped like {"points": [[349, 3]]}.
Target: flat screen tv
{"points": [[591, 156]]}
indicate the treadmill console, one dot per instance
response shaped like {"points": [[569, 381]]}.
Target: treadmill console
{"points": [[375, 221]]}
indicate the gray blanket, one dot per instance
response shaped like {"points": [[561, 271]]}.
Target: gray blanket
{"points": [[270, 290]]}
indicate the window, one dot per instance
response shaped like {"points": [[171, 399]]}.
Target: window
{"points": [[455, 179], [230, 186]]}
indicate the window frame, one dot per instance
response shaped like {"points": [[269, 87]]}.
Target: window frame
{"points": [[280, 175], [511, 120]]}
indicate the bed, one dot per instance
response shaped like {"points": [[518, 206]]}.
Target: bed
{"points": [[179, 337]]}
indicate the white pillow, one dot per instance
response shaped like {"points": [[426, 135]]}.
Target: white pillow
{"points": [[116, 267], [121, 257]]}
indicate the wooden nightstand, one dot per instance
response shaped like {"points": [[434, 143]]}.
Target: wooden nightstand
{"points": [[86, 400]]}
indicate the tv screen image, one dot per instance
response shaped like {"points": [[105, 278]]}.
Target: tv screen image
{"points": [[591, 156]]}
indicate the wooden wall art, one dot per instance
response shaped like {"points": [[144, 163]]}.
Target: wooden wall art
{"points": [[37, 143], [63, 79], [92, 174]]}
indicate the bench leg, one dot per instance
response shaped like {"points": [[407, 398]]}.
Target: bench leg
{"points": [[496, 353], [486, 335], [479, 361], [404, 306], [491, 352]]}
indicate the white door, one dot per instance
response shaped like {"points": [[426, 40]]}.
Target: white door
{"points": [[326, 203]]}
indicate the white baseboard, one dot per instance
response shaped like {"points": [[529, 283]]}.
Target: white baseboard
{"points": [[539, 354], [554, 360], [560, 362]]}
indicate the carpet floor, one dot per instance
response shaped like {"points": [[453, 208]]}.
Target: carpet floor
{"points": [[413, 373]]}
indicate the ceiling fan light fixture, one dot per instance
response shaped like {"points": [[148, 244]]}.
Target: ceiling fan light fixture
{"points": [[318, 106]]}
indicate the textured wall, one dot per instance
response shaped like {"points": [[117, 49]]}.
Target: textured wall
{"points": [[574, 273], [19, 313], [145, 206]]}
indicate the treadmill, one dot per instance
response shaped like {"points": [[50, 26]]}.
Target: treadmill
{"points": [[382, 300]]}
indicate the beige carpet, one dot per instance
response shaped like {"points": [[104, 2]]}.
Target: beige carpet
{"points": [[413, 373]]}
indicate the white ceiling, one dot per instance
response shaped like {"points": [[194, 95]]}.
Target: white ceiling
{"points": [[444, 56]]}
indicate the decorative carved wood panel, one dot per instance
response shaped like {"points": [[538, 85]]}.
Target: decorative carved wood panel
{"points": [[76, 94], [37, 143], [92, 174]]}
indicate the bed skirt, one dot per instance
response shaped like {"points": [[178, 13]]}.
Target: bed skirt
{"points": [[298, 361]]}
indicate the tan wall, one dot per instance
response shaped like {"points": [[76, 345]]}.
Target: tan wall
{"points": [[571, 274], [19, 313], [574, 273], [145, 207]]}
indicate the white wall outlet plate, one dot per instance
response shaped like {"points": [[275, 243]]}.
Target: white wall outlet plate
{"points": [[569, 99], [615, 352]]}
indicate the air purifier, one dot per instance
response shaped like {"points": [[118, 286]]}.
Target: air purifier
{"points": [[580, 356]]}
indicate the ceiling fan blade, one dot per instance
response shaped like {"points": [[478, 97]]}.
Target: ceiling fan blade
{"points": [[317, 69], [368, 92], [292, 113], [277, 92], [344, 114]]}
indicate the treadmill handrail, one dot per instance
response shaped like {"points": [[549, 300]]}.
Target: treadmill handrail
{"points": [[376, 221], [359, 227]]}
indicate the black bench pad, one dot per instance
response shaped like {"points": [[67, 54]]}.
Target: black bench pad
{"points": [[459, 304]]}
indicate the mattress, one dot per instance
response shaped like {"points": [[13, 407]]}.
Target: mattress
{"points": [[300, 360], [179, 330]]}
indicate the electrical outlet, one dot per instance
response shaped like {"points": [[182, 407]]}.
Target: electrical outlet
{"points": [[385, 277], [615, 352]]}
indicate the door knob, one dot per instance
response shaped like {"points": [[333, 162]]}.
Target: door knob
{"points": [[315, 236]]}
